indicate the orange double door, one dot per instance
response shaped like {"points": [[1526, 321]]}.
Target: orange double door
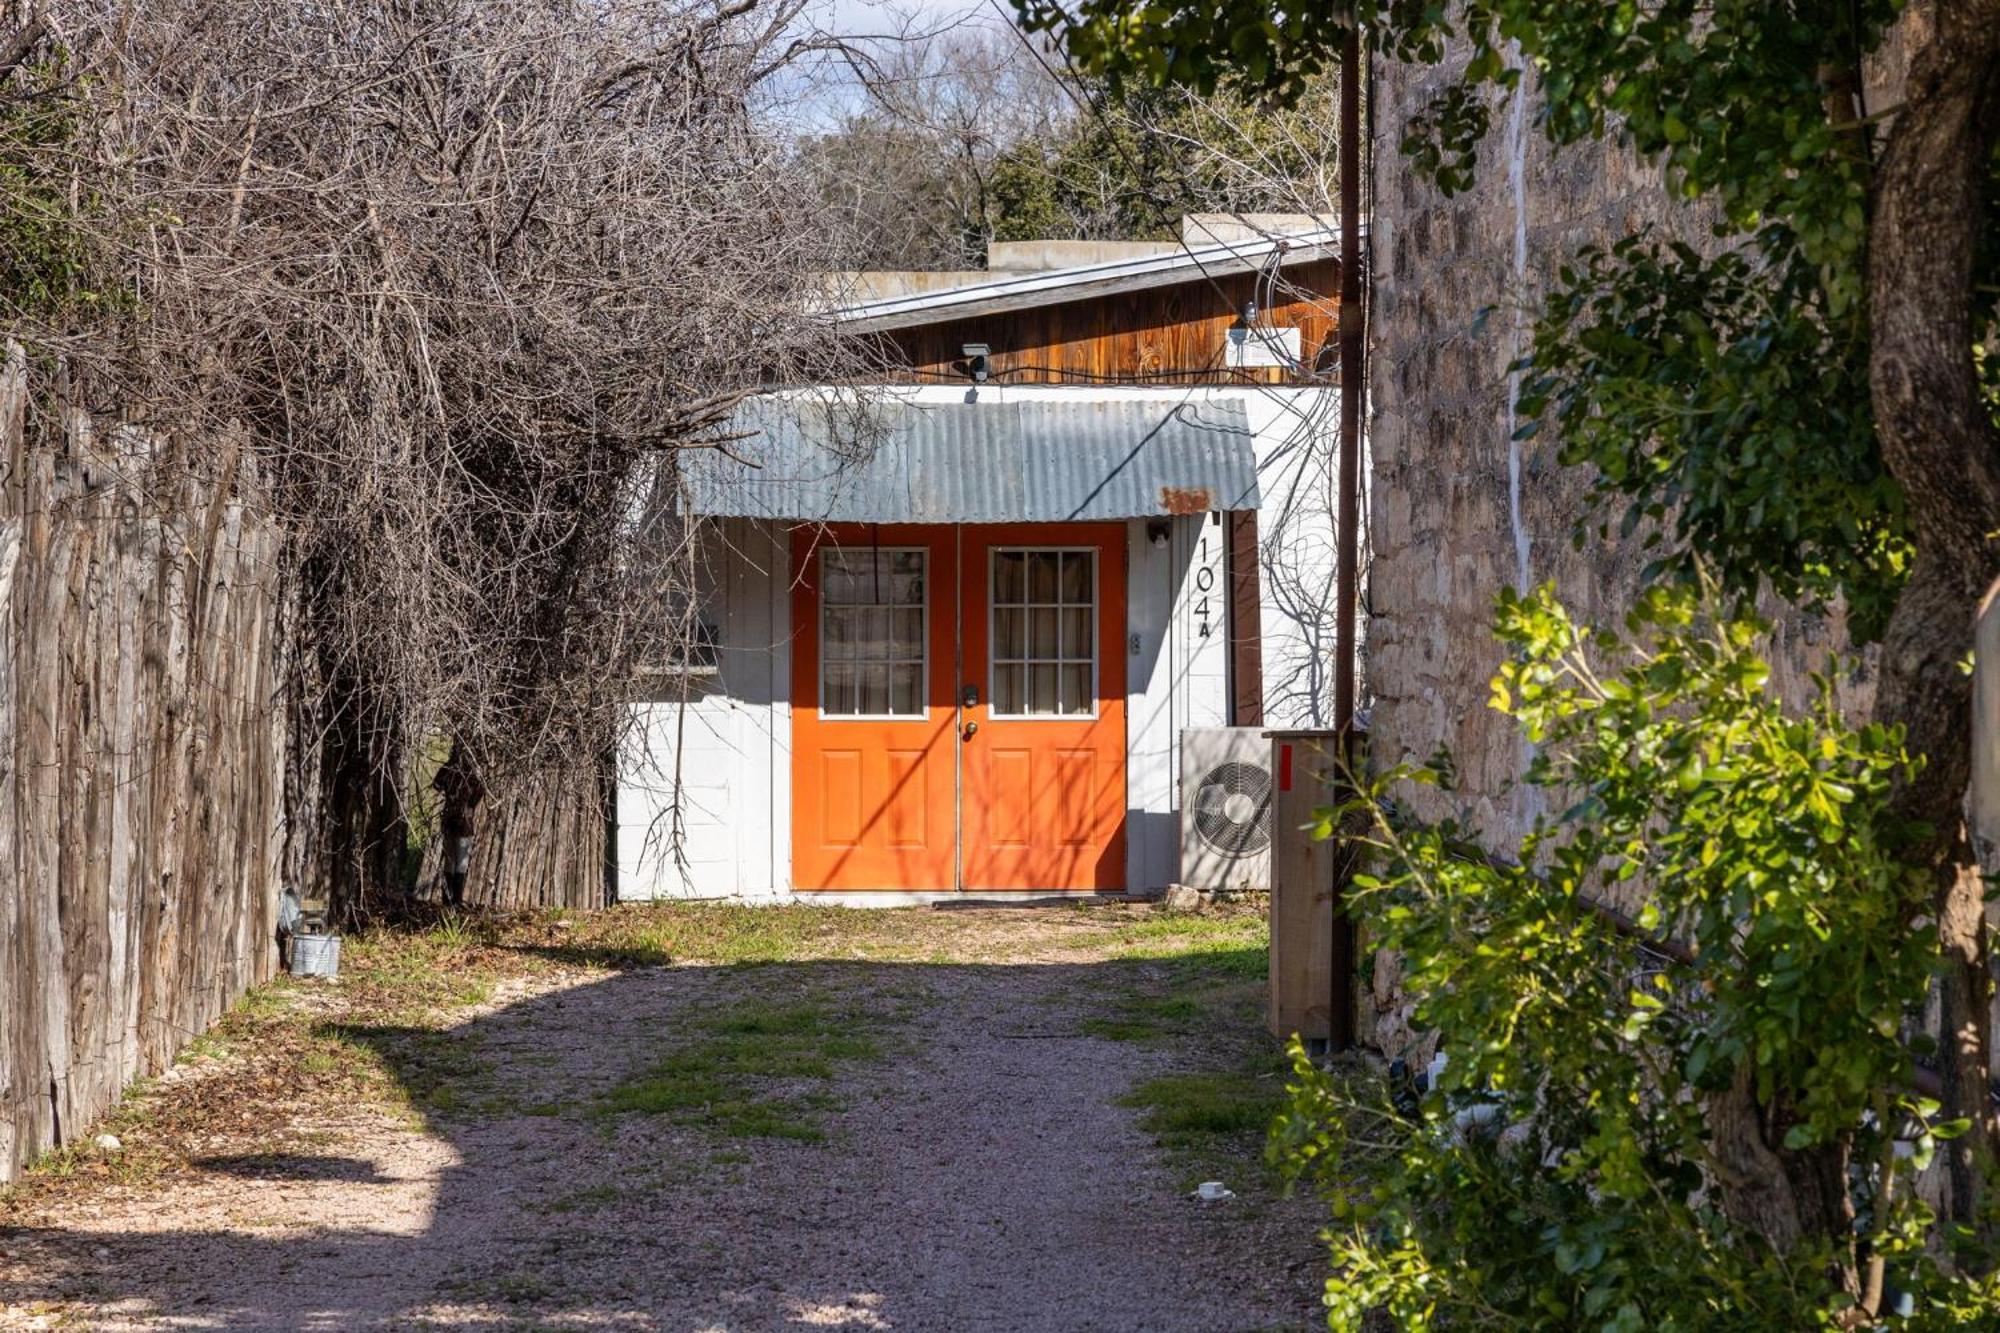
{"points": [[958, 707]]}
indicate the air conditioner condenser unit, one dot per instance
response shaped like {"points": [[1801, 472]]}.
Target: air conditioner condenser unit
{"points": [[1226, 809]]}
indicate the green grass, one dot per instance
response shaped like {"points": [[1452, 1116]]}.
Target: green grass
{"points": [[438, 1072], [596, 1196], [720, 1081], [1201, 991], [446, 966], [1193, 1111], [1235, 946], [653, 935], [1152, 1019], [1213, 1125]]}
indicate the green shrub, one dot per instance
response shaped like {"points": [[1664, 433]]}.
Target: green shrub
{"points": [[1693, 1144]]}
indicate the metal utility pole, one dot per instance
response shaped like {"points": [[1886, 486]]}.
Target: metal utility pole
{"points": [[1347, 568]]}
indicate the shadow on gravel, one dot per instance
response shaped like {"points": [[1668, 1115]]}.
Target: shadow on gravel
{"points": [[290, 1166], [976, 1170]]}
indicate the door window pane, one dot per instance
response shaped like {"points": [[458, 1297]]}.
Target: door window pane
{"points": [[874, 688], [1042, 688], [1010, 632], [1076, 578], [1007, 687], [1010, 579], [906, 688], [1042, 576], [1044, 633], [837, 682], [1075, 687], [872, 633], [1076, 644]]}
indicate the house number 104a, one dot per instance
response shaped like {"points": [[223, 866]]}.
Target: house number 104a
{"points": [[1204, 588]]}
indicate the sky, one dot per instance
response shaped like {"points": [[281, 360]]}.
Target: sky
{"points": [[826, 90]]}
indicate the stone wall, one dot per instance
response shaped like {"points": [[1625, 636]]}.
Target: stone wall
{"points": [[1457, 511]]}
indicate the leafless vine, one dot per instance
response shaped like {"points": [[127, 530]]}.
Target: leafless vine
{"points": [[462, 274]]}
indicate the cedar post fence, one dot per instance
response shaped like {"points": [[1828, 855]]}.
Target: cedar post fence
{"points": [[141, 761]]}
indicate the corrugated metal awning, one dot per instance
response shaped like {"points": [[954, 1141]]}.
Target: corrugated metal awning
{"points": [[977, 462]]}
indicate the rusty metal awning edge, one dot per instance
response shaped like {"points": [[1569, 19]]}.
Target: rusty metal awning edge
{"points": [[976, 462]]}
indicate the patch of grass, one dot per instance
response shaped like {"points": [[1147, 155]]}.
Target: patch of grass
{"points": [[522, 1289], [435, 1072], [716, 1082], [656, 934], [1213, 1123], [267, 1001], [1122, 1029], [408, 973], [596, 1196], [1157, 1017], [1193, 1110], [1235, 944], [1194, 1000]]}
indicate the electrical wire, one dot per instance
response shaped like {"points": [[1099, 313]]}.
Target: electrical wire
{"points": [[1132, 377], [1071, 87]]}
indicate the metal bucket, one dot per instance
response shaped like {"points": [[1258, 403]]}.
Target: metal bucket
{"points": [[316, 955]]}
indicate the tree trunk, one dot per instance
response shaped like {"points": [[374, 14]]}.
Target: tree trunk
{"points": [[362, 825], [1784, 1196], [1939, 442]]}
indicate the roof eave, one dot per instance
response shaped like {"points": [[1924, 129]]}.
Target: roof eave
{"points": [[1026, 290]]}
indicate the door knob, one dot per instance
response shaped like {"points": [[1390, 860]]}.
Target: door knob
{"points": [[970, 728]]}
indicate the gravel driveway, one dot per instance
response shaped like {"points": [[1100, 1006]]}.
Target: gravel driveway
{"points": [[831, 1142]]}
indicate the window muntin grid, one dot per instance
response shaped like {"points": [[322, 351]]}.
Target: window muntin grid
{"points": [[1044, 632], [874, 633]]}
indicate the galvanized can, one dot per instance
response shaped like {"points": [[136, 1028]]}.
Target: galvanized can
{"points": [[316, 956]]}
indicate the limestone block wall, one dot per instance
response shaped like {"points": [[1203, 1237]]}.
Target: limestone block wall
{"points": [[1458, 511]]}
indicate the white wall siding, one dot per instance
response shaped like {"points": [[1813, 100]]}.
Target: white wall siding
{"points": [[1178, 678], [1152, 830], [1295, 433], [728, 747]]}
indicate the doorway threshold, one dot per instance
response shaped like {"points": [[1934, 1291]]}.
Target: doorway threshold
{"points": [[947, 900]]}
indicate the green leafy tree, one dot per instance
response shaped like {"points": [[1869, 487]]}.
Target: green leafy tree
{"points": [[1804, 401], [45, 255], [1141, 158], [1577, 1165], [970, 138]]}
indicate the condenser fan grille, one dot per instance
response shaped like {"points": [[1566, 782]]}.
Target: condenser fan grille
{"points": [[1232, 808]]}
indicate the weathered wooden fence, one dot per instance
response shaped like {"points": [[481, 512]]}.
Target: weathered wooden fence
{"points": [[543, 843], [141, 761]]}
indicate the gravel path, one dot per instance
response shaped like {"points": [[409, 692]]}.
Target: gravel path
{"points": [[976, 1174]]}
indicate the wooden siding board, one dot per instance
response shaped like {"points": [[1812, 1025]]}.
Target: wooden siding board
{"points": [[1246, 633], [1178, 332]]}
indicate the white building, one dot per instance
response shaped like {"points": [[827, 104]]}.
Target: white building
{"points": [[959, 654]]}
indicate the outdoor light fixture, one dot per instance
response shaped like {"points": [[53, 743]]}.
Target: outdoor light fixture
{"points": [[1156, 531], [975, 361]]}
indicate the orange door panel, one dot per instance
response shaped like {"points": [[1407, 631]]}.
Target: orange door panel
{"points": [[873, 713], [1042, 616]]}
